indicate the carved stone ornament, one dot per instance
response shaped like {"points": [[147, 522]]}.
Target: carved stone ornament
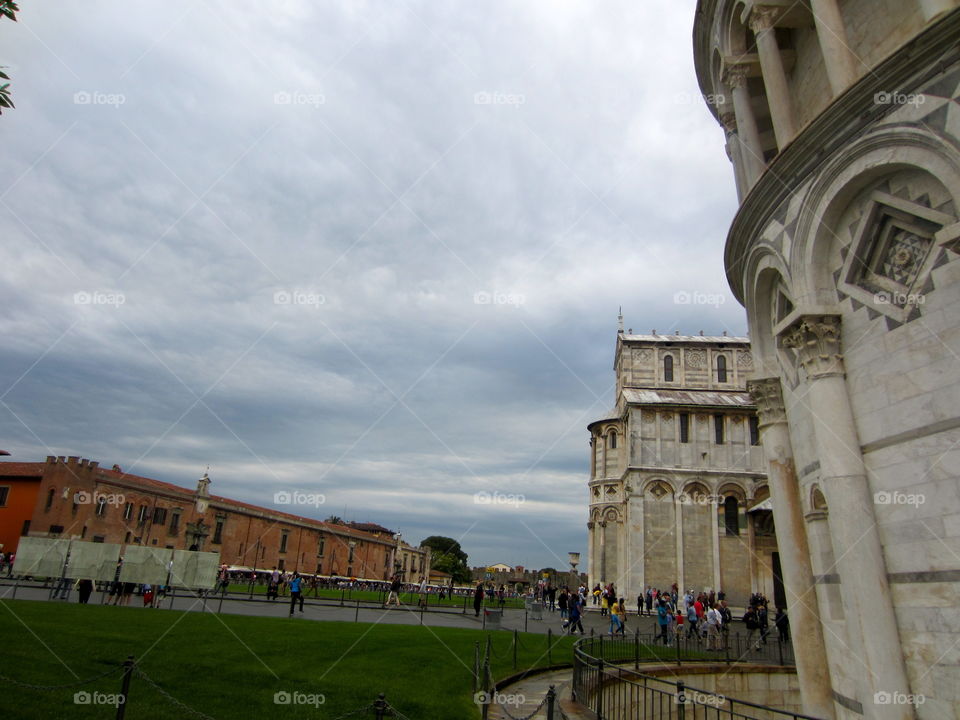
{"points": [[695, 359], [658, 490], [816, 340], [767, 394], [744, 360], [763, 17], [736, 76], [647, 417]]}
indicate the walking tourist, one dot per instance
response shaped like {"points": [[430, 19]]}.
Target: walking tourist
{"points": [[296, 585]]}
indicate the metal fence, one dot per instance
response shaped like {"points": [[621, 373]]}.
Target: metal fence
{"points": [[614, 692], [729, 648]]}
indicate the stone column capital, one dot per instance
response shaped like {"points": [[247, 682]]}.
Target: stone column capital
{"points": [[590, 525], [767, 393], [764, 17], [729, 122], [816, 340], [736, 75]]}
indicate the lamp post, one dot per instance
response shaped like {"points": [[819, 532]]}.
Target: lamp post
{"points": [[574, 560]]}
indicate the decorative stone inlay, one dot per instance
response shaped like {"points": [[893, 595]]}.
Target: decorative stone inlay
{"points": [[666, 418], [736, 419], [703, 419], [647, 417], [696, 359], [642, 355], [816, 340], [658, 490], [744, 360], [891, 255], [767, 394]]}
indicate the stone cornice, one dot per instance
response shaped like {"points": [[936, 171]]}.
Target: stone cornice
{"points": [[832, 130]]}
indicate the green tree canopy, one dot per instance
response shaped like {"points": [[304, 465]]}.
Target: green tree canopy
{"points": [[447, 556]]}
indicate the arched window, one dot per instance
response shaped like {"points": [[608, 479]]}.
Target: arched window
{"points": [[668, 368], [731, 515], [721, 368], [613, 440]]}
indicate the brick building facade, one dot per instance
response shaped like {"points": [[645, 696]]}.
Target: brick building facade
{"points": [[77, 498]]}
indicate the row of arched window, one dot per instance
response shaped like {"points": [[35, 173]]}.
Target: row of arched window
{"points": [[721, 368]]}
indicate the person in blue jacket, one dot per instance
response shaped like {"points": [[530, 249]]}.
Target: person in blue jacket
{"points": [[296, 592]]}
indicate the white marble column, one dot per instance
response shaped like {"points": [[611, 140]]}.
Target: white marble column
{"points": [[932, 8], [840, 62], [762, 20], [751, 149], [853, 528], [813, 671], [592, 569], [602, 525], [679, 520], [715, 534]]}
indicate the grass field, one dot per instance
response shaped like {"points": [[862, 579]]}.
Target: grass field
{"points": [[229, 666], [372, 596]]}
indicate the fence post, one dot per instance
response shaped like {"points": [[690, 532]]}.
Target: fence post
{"points": [[549, 647], [681, 700], [600, 689], [676, 640], [356, 613], [516, 641], [380, 706], [125, 687], [636, 650], [423, 607], [524, 619], [551, 699], [601, 647], [342, 591]]}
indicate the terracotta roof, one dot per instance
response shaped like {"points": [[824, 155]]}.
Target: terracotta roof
{"points": [[21, 469]]}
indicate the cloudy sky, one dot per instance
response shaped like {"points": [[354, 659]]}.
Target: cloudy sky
{"points": [[370, 250]]}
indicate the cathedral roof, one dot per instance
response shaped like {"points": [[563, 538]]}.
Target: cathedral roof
{"points": [[708, 339]]}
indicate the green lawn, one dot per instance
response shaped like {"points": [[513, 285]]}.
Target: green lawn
{"points": [[230, 666], [373, 596]]}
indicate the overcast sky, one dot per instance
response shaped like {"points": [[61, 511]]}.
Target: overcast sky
{"points": [[369, 250]]}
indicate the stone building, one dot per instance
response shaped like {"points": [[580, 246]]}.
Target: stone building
{"points": [[843, 127], [77, 498], [676, 468]]}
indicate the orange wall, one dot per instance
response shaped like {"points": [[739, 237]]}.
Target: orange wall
{"points": [[21, 500]]}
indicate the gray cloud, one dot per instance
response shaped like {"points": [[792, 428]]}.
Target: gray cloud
{"points": [[451, 200]]}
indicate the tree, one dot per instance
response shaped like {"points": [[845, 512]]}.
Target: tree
{"points": [[447, 556], [8, 8]]}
